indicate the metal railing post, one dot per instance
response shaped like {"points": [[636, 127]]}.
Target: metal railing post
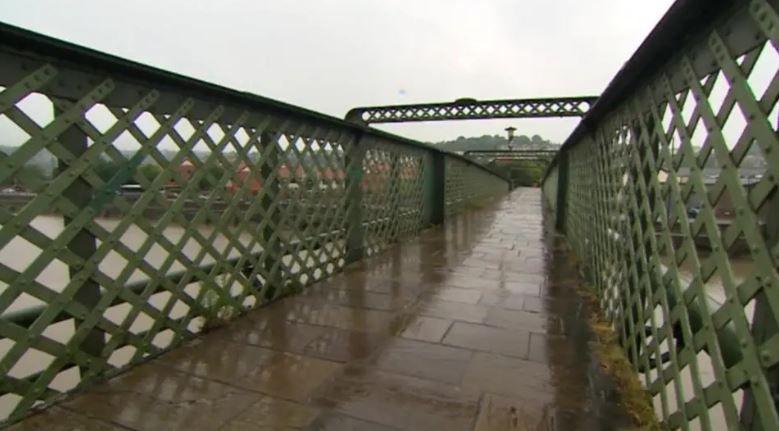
{"points": [[562, 190], [434, 189], [355, 231], [83, 243], [764, 325], [270, 233], [395, 192]]}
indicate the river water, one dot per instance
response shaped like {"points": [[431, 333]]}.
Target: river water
{"points": [[714, 288]]}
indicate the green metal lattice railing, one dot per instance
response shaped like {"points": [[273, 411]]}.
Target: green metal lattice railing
{"points": [[138, 204], [668, 191]]}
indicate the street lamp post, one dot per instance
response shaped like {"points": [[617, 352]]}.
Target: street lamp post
{"points": [[510, 130]]}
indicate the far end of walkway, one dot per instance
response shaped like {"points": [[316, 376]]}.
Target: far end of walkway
{"points": [[475, 325]]}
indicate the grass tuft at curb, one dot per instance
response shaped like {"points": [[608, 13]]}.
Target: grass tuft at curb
{"points": [[612, 360]]}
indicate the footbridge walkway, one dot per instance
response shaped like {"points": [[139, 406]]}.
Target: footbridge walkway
{"points": [[179, 255], [472, 325]]}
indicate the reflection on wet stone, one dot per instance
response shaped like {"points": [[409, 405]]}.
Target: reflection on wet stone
{"points": [[488, 338], [474, 325], [59, 419], [401, 401], [453, 310], [497, 413], [343, 346], [426, 360], [428, 329], [152, 397], [272, 413]]}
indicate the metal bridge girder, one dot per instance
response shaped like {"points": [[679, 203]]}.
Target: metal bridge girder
{"points": [[546, 155], [472, 109]]}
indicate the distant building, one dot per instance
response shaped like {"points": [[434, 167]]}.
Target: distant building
{"points": [[724, 208], [330, 175], [186, 170], [290, 177], [375, 177], [242, 176], [286, 174]]}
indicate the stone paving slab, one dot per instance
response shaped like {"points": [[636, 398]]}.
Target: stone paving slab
{"points": [[471, 326]]}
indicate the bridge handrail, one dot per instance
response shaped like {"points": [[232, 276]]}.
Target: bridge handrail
{"points": [[35, 46], [156, 205], [472, 109], [695, 301]]}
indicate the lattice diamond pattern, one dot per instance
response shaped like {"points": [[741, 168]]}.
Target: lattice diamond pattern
{"points": [[461, 110], [147, 224], [392, 190], [465, 186], [673, 204]]}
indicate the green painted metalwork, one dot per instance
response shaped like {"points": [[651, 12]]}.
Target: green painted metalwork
{"points": [[531, 155], [471, 109], [465, 187], [435, 189], [667, 191], [153, 205], [523, 167]]}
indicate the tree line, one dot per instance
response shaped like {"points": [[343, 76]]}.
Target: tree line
{"points": [[496, 142]]}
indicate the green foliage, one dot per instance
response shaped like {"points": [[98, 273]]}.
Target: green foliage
{"points": [[215, 308], [150, 171], [613, 361], [496, 142], [30, 177], [106, 168], [528, 174], [212, 175], [523, 173]]}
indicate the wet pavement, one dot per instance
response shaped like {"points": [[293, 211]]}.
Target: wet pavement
{"points": [[475, 325]]}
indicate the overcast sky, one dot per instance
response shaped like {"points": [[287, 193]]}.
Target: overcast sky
{"points": [[331, 55]]}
